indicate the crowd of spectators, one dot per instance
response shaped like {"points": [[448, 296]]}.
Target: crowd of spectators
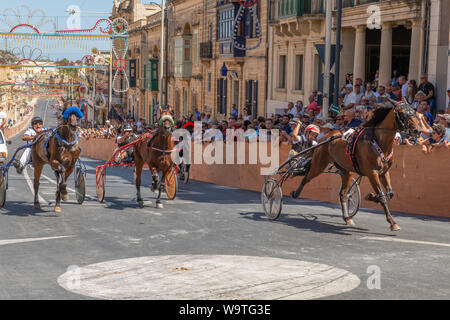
{"points": [[355, 101]]}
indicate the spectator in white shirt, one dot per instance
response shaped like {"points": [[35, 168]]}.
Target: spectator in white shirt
{"points": [[352, 98], [402, 81]]}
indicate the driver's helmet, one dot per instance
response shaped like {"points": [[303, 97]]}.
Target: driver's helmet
{"points": [[36, 119], [312, 128]]}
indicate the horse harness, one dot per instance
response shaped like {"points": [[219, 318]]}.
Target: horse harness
{"points": [[59, 140], [369, 135]]}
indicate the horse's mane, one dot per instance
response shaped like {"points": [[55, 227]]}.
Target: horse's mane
{"points": [[376, 116]]}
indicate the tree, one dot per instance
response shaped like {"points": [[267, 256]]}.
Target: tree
{"points": [[7, 57]]}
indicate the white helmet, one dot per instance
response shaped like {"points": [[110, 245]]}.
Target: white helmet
{"points": [[312, 128]]}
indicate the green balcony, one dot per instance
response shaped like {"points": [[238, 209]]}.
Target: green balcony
{"points": [[298, 8]]}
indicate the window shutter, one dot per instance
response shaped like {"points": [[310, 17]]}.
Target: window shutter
{"points": [[255, 99], [219, 100], [224, 105]]}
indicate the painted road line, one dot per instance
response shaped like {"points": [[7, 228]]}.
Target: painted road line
{"points": [[407, 241], [11, 241]]}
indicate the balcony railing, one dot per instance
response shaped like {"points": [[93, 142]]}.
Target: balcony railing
{"points": [[298, 8], [352, 3], [206, 50]]}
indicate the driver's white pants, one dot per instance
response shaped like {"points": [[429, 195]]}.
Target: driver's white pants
{"points": [[26, 157]]}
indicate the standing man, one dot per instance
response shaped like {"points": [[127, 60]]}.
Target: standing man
{"points": [[428, 89], [404, 84], [35, 129]]}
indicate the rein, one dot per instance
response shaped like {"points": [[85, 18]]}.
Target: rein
{"points": [[69, 144]]}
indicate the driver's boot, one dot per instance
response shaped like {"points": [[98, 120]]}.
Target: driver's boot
{"points": [[19, 167]]}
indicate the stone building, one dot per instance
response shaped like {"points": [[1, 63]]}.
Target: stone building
{"points": [[393, 37], [201, 44]]}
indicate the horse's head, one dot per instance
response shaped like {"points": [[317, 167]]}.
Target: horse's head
{"points": [[72, 122], [407, 120], [166, 122]]}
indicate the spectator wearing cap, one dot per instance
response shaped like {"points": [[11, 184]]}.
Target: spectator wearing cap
{"points": [[306, 118], [420, 95], [325, 129], [428, 88]]}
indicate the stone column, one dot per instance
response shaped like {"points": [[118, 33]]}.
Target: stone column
{"points": [[359, 66], [385, 53], [414, 53]]}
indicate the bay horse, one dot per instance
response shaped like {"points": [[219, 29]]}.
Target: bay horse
{"points": [[372, 154], [156, 153], [59, 149]]}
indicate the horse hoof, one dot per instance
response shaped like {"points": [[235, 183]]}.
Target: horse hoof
{"points": [[159, 206], [37, 206], [395, 227], [293, 195], [65, 197], [350, 222], [57, 209], [141, 203]]}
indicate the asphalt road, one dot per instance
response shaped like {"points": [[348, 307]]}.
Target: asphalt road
{"points": [[38, 247]]}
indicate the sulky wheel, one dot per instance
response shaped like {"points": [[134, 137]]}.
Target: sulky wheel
{"points": [[100, 178], [184, 173], [171, 184], [272, 199], [80, 186], [2, 188], [354, 198]]}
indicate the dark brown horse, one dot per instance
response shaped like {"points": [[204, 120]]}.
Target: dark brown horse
{"points": [[373, 162], [61, 152], [157, 154]]}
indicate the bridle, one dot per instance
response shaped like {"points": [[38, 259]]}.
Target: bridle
{"points": [[403, 119], [63, 141]]}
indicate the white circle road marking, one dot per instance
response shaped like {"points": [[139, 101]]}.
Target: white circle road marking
{"points": [[208, 277]]}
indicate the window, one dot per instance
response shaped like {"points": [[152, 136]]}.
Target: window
{"points": [[187, 50], [225, 23], [299, 72], [282, 72]]}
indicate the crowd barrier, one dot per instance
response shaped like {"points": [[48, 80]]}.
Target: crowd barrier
{"points": [[420, 181]]}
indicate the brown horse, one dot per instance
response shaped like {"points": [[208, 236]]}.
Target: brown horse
{"points": [[373, 162], [61, 153], [156, 153]]}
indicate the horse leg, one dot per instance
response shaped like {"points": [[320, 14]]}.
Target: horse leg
{"points": [[60, 173], [67, 173], [159, 204], [37, 177], [386, 181], [138, 172], [346, 180], [382, 198], [155, 179]]}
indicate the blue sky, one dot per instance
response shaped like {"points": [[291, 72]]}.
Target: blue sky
{"points": [[91, 12]]}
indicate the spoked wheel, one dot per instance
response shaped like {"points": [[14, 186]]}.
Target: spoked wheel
{"points": [[171, 184], [354, 198], [80, 186], [2, 188], [100, 178], [272, 199]]}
